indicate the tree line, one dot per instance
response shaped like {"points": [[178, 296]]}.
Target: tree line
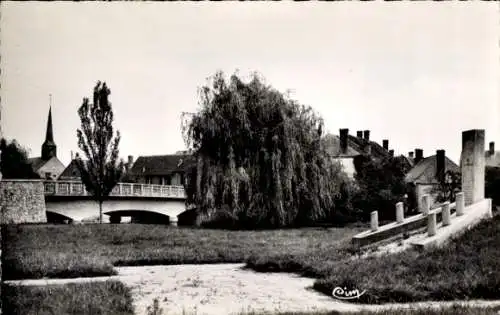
{"points": [[261, 161]]}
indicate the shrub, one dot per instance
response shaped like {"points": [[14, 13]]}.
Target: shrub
{"points": [[381, 186], [492, 184]]}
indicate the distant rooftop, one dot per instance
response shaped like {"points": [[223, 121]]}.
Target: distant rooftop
{"points": [[424, 172], [161, 165]]}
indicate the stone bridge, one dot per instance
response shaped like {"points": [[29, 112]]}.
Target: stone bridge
{"points": [[68, 201]]}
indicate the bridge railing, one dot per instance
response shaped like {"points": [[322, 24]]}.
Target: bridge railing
{"points": [[76, 188]]}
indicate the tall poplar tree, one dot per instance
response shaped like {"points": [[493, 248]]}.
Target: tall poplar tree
{"points": [[96, 138]]}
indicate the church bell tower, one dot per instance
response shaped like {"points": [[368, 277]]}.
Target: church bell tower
{"points": [[49, 148]]}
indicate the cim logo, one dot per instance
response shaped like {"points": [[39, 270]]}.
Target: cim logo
{"points": [[344, 294]]}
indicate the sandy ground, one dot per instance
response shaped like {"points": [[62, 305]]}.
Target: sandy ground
{"points": [[228, 289], [222, 289]]}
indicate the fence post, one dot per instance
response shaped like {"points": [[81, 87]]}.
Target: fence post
{"points": [[425, 205], [445, 210], [374, 221], [460, 202], [431, 223], [399, 212]]}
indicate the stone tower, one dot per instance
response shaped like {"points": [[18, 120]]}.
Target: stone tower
{"points": [[49, 148]]}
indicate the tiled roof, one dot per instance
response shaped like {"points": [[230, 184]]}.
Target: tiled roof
{"points": [[332, 145], [425, 170], [355, 146], [36, 163], [407, 160], [71, 171], [161, 164]]}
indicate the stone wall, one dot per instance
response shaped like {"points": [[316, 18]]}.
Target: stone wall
{"points": [[22, 201]]}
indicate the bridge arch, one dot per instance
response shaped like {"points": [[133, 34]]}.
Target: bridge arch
{"points": [[54, 217], [139, 216], [141, 210]]}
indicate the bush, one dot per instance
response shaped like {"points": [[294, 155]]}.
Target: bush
{"points": [[222, 219], [381, 185], [492, 182], [14, 161]]}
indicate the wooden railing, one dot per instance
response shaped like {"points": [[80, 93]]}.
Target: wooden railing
{"points": [[76, 188]]}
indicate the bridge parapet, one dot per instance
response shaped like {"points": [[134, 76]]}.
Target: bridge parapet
{"points": [[76, 188]]}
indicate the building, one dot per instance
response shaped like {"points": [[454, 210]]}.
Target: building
{"points": [[427, 173], [344, 148], [71, 172], [492, 156], [160, 169], [48, 166]]}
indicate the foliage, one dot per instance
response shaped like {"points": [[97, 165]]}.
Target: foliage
{"points": [[492, 181], [259, 157], [14, 161], [97, 140], [448, 187], [381, 185]]}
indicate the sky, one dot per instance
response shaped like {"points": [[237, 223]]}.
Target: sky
{"points": [[415, 73]]}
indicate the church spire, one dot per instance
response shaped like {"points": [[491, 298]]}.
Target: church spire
{"points": [[49, 148], [49, 136]]}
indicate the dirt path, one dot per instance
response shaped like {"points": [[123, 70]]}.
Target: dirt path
{"points": [[227, 289], [222, 289]]}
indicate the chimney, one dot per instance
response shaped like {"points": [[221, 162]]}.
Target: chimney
{"points": [[130, 162], [492, 148], [391, 153], [440, 160], [410, 154], [385, 144], [419, 155], [343, 139], [359, 134], [367, 135]]}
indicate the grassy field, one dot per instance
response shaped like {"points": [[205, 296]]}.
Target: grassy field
{"points": [[465, 269], [97, 298], [62, 251]]}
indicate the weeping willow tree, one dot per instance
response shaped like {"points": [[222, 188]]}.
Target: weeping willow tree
{"points": [[259, 156]]}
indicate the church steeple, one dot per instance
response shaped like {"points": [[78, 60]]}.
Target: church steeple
{"points": [[49, 148]]}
